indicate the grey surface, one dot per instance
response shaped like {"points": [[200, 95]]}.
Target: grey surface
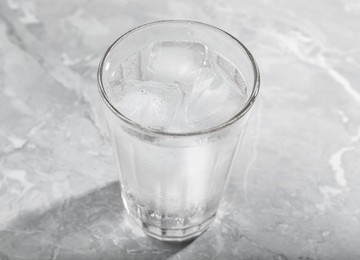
{"points": [[295, 188]]}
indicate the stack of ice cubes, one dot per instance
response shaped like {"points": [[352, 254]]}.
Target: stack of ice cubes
{"points": [[178, 87]]}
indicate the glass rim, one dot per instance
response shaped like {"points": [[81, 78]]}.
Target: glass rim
{"points": [[249, 103]]}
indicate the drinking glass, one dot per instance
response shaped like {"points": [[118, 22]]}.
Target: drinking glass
{"points": [[172, 182]]}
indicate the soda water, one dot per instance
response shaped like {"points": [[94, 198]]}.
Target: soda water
{"points": [[176, 88]]}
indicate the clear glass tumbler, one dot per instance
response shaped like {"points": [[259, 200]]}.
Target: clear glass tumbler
{"points": [[172, 182]]}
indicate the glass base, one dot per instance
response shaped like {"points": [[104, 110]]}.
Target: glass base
{"points": [[175, 235], [169, 233]]}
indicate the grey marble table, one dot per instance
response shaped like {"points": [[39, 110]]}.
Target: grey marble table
{"points": [[295, 188]]}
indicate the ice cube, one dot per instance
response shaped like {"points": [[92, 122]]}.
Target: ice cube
{"points": [[149, 103], [173, 61], [215, 98]]}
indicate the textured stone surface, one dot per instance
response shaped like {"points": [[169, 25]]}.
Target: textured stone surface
{"points": [[295, 188]]}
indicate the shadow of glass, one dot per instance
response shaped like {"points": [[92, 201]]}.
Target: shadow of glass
{"points": [[93, 226]]}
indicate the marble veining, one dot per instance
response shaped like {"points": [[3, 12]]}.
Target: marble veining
{"points": [[294, 191]]}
